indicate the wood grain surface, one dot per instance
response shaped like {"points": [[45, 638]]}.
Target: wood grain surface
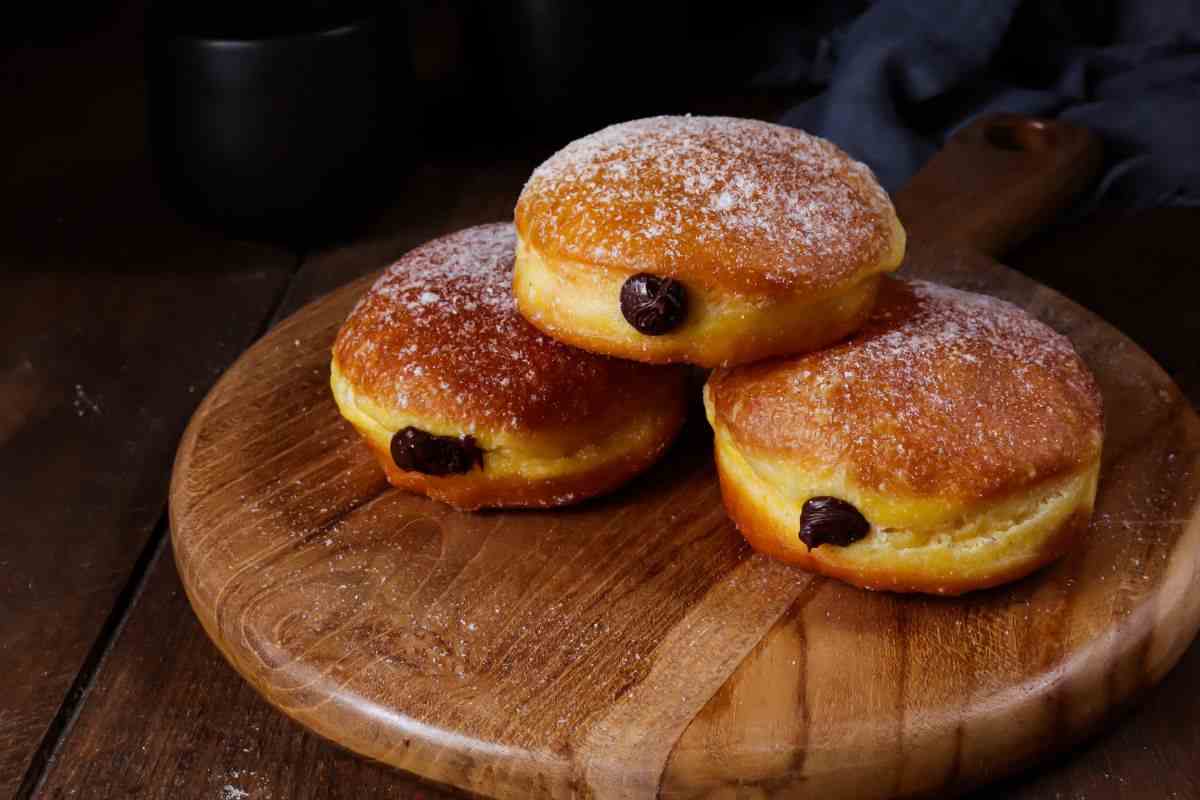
{"points": [[634, 645]]}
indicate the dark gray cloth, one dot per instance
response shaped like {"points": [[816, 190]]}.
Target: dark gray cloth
{"points": [[898, 79]]}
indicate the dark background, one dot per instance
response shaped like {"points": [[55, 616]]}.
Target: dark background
{"points": [[332, 131]]}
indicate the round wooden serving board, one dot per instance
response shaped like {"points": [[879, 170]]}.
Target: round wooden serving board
{"points": [[634, 646]]}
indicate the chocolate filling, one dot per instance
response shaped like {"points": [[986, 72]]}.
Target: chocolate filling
{"points": [[828, 520], [653, 305], [414, 450]]}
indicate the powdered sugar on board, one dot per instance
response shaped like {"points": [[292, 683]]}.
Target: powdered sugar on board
{"points": [[439, 334], [742, 202]]}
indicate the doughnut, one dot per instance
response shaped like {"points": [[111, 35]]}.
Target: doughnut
{"points": [[462, 400], [952, 444], [707, 240]]}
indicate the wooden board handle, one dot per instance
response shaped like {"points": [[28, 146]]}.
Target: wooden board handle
{"points": [[996, 181]]}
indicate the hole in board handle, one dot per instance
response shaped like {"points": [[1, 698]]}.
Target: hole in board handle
{"points": [[1029, 135]]}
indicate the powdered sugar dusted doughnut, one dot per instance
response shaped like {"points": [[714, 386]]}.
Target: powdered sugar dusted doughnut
{"points": [[953, 443], [774, 240], [461, 399]]}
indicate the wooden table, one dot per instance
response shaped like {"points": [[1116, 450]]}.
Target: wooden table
{"points": [[116, 317]]}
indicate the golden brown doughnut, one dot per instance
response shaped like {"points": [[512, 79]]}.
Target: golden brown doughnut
{"points": [[964, 431], [757, 240], [461, 399]]}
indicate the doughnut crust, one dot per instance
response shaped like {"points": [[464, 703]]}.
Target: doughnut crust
{"points": [[967, 433], [437, 345], [778, 237]]}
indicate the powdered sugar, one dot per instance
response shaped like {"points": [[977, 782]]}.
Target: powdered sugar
{"points": [[942, 390], [453, 274], [959, 326], [674, 195], [439, 333]]}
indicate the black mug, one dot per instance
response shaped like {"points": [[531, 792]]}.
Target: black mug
{"points": [[280, 121]]}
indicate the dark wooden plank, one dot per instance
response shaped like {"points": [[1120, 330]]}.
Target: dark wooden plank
{"points": [[99, 374], [115, 317], [101, 368]]}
